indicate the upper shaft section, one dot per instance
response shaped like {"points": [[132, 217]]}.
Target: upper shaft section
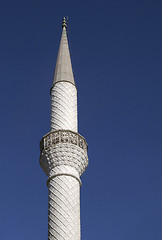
{"points": [[63, 70]]}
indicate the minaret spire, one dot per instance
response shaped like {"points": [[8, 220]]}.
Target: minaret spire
{"points": [[63, 154], [63, 70]]}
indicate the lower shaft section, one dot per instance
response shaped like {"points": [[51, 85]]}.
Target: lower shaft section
{"points": [[64, 204]]}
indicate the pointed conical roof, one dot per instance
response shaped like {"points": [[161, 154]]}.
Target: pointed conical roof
{"points": [[63, 70]]}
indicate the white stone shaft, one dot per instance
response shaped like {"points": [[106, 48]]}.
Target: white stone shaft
{"points": [[64, 205], [63, 184], [64, 107], [63, 162]]}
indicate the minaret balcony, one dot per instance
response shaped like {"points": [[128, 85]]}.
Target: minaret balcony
{"points": [[63, 147]]}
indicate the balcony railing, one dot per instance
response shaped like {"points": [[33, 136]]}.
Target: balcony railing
{"points": [[62, 136]]}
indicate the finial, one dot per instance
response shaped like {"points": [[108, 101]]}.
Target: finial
{"points": [[64, 23]]}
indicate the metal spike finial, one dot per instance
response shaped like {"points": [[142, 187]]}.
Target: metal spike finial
{"points": [[64, 23], [67, 25]]}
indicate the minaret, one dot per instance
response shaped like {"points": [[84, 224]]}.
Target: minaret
{"points": [[63, 154]]}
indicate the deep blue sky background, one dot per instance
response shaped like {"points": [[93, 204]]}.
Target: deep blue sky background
{"points": [[116, 49]]}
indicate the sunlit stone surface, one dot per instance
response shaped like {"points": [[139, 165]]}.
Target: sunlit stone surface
{"points": [[63, 154]]}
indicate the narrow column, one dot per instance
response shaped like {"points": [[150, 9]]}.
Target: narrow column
{"points": [[64, 106], [63, 152], [64, 204]]}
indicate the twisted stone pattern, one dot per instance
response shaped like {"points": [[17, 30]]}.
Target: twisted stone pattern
{"points": [[64, 107], [64, 205], [64, 163]]}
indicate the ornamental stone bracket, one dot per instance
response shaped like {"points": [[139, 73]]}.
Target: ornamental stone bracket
{"points": [[63, 147]]}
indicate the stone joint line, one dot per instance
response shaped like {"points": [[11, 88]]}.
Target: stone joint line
{"points": [[65, 174]]}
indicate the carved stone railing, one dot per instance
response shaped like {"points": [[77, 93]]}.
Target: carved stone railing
{"points": [[62, 136]]}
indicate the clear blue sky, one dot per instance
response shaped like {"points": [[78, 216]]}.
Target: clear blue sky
{"points": [[116, 49]]}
